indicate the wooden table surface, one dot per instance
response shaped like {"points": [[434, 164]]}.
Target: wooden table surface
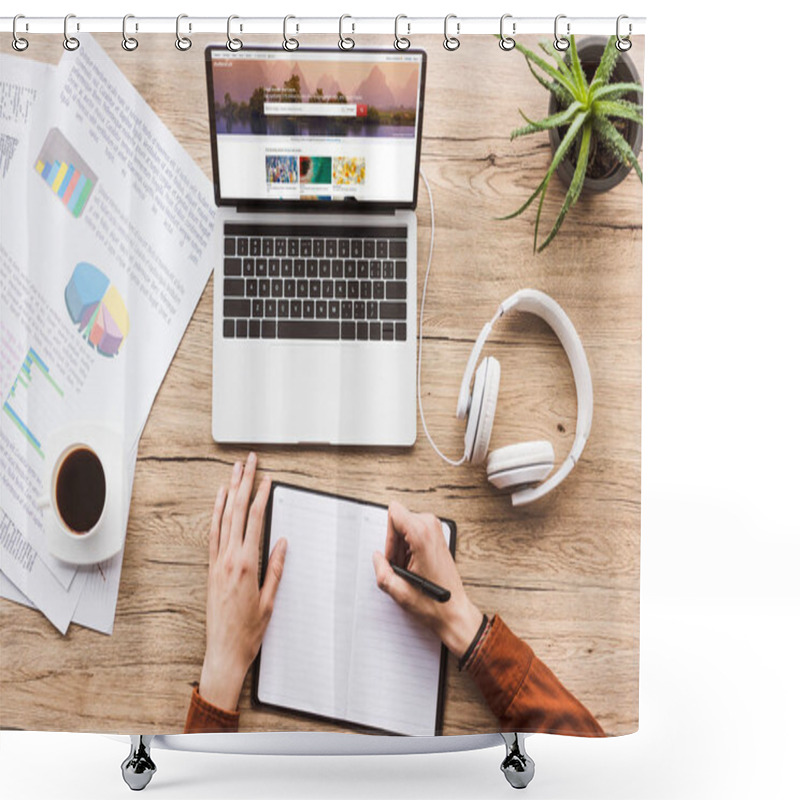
{"points": [[563, 573]]}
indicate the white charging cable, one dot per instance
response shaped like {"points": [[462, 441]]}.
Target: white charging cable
{"points": [[421, 315]]}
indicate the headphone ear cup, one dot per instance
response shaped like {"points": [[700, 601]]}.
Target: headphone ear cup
{"points": [[518, 465], [481, 411]]}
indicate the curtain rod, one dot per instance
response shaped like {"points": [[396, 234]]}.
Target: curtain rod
{"points": [[406, 25]]}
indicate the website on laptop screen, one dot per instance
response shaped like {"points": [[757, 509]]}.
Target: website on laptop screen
{"points": [[316, 125]]}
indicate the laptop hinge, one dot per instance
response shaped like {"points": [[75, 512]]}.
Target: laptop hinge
{"points": [[323, 208]]}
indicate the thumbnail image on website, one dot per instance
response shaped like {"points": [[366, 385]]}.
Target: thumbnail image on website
{"points": [[323, 126]]}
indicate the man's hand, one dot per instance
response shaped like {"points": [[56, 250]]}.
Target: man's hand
{"points": [[416, 542], [238, 610]]}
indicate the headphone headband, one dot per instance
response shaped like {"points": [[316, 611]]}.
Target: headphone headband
{"points": [[541, 305], [463, 393]]}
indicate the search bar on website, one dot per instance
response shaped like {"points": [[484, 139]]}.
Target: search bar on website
{"points": [[315, 109]]}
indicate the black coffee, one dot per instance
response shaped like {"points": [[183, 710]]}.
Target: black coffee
{"points": [[80, 490]]}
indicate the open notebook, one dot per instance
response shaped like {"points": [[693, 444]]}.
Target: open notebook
{"points": [[337, 646]]}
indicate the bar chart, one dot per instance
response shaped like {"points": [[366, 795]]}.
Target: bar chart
{"points": [[65, 172], [34, 387]]}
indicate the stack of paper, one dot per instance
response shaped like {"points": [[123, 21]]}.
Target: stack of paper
{"points": [[106, 231]]}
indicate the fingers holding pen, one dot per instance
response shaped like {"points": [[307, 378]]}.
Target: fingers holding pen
{"points": [[400, 533], [399, 590]]}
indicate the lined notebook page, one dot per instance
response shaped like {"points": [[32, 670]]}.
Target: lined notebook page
{"points": [[336, 645], [394, 671], [298, 654]]}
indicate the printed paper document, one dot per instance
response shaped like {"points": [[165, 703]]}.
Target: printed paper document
{"points": [[107, 225]]}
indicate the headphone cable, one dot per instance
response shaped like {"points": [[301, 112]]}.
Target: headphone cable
{"points": [[421, 314]]}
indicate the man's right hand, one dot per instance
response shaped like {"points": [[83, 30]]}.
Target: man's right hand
{"points": [[416, 542]]}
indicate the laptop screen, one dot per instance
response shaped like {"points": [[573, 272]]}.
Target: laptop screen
{"points": [[315, 125]]}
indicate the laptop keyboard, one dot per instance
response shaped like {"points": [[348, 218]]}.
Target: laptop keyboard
{"points": [[296, 282]]}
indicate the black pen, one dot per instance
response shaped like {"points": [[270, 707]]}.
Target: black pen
{"points": [[427, 587]]}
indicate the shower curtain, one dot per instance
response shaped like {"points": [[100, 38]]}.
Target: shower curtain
{"points": [[175, 606]]}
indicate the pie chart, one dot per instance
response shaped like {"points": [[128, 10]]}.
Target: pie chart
{"points": [[97, 308]]}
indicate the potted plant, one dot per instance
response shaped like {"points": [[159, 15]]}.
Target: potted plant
{"points": [[595, 128]]}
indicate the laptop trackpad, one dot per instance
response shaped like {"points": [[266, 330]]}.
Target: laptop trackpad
{"points": [[342, 393]]}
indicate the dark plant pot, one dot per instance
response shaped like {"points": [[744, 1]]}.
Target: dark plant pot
{"points": [[590, 50]]}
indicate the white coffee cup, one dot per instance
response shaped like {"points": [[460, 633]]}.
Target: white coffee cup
{"points": [[79, 528], [78, 491]]}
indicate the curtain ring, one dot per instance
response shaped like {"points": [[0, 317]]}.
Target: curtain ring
{"points": [[560, 43], [233, 44], [70, 42], [128, 42], [624, 42], [289, 43], [345, 42], [17, 42], [451, 42], [506, 42], [183, 43], [401, 42]]}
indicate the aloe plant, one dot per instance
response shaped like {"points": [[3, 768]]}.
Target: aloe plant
{"points": [[587, 111]]}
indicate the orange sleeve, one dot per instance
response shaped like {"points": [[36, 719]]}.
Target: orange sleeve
{"points": [[204, 717], [521, 691]]}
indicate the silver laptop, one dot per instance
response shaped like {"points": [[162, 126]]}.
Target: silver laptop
{"points": [[316, 158]]}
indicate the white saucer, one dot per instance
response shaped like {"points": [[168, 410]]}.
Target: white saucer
{"points": [[109, 537]]}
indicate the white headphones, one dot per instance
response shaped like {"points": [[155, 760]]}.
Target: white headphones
{"points": [[517, 467]]}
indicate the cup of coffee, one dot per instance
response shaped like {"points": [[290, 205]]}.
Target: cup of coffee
{"points": [[78, 491], [86, 491]]}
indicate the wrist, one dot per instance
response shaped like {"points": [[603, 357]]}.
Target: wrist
{"points": [[221, 686], [461, 627]]}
